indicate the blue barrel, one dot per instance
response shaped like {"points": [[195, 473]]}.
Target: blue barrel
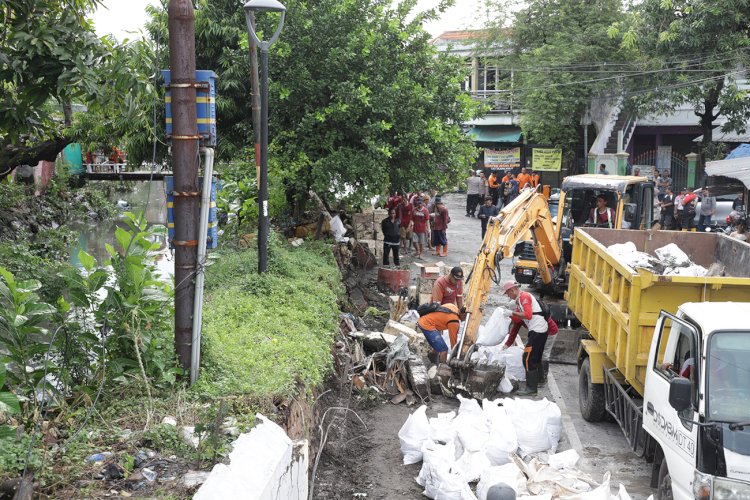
{"points": [[205, 104], [212, 240]]}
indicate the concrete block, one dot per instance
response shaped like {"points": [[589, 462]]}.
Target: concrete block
{"points": [[418, 377], [425, 284], [395, 328], [425, 298], [264, 465]]}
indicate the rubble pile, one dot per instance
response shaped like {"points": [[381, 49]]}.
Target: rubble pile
{"points": [[505, 441], [389, 362], [670, 260]]}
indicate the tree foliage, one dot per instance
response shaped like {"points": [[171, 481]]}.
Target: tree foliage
{"points": [[553, 48], [698, 50], [359, 98]]}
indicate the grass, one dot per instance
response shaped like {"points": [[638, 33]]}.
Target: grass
{"points": [[263, 334]]}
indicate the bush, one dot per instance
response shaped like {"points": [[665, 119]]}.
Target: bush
{"points": [[263, 333]]}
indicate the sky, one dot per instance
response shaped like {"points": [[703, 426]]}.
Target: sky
{"points": [[122, 17]]}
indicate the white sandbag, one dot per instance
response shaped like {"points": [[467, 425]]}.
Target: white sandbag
{"points": [[692, 270], [531, 420], [565, 459], [546, 496], [600, 493], [338, 229], [671, 255], [627, 254], [553, 426], [471, 464], [505, 386], [622, 494], [436, 463], [495, 330], [453, 487], [502, 439], [441, 427], [509, 474], [513, 360], [409, 317], [412, 435]]}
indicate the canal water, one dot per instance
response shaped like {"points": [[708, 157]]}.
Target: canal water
{"points": [[135, 197]]}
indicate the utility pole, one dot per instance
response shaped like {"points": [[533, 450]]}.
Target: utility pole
{"points": [[255, 96], [185, 166]]}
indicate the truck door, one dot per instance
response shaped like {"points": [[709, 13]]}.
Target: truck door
{"points": [[674, 351]]}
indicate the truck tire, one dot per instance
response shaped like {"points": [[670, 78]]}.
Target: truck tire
{"points": [[664, 491], [590, 395]]}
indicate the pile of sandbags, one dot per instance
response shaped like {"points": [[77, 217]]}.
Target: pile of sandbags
{"points": [[509, 441]]}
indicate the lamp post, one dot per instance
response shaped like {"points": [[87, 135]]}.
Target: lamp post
{"points": [[586, 121], [251, 7]]}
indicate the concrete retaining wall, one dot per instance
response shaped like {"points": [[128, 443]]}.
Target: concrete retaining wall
{"points": [[264, 465]]}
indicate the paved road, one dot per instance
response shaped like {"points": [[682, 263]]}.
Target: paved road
{"points": [[602, 446]]}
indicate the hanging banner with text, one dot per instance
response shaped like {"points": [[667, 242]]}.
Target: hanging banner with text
{"points": [[502, 159], [546, 159]]}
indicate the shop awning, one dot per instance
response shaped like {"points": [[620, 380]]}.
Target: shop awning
{"points": [[487, 134], [737, 168]]}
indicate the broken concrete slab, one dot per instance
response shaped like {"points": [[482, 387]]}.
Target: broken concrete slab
{"points": [[374, 341], [418, 377]]}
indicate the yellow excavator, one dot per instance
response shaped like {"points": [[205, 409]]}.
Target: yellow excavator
{"points": [[528, 213]]}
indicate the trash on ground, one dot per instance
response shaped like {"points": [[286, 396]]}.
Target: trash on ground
{"points": [[670, 260]]}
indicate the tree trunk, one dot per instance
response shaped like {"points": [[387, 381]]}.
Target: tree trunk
{"points": [[710, 102], [13, 155]]}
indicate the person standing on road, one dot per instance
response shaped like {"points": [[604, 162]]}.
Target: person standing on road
{"points": [[523, 179], [404, 212], [473, 191], [708, 209], [739, 203], [485, 212], [529, 313], [688, 202], [440, 220], [513, 189], [663, 182], [391, 236], [419, 217], [552, 330], [450, 289], [667, 209], [494, 187], [603, 169], [432, 325]]}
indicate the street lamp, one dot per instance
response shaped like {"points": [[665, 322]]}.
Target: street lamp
{"points": [[585, 122], [251, 7]]}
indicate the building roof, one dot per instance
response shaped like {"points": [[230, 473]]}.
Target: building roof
{"points": [[736, 168]]}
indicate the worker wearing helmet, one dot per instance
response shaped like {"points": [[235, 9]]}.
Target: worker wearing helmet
{"points": [[529, 313], [432, 324]]}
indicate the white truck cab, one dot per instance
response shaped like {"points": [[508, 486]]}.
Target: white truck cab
{"points": [[696, 402]]}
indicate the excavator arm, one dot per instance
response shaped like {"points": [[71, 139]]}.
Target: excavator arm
{"points": [[528, 212]]}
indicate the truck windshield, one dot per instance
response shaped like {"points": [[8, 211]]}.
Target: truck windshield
{"points": [[729, 376]]}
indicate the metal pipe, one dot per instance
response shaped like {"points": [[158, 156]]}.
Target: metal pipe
{"points": [[255, 93], [200, 273], [181, 23], [263, 187]]}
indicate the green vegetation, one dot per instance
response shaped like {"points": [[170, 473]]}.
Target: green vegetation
{"points": [[264, 333]]}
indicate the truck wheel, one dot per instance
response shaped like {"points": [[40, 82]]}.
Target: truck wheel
{"points": [[590, 395], [665, 483]]}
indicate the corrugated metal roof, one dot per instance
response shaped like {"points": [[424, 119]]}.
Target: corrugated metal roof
{"points": [[736, 168]]}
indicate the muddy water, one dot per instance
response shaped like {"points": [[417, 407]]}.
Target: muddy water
{"points": [[135, 197]]}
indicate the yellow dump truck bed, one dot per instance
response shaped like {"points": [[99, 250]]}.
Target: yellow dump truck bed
{"points": [[619, 305]]}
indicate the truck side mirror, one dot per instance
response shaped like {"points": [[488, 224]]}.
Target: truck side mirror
{"points": [[680, 393], [630, 209]]}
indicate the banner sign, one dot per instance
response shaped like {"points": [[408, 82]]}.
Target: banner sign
{"points": [[503, 158], [546, 159]]}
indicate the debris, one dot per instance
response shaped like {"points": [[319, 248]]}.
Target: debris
{"points": [[149, 474], [111, 472], [296, 243], [418, 378], [564, 460], [187, 433], [140, 459], [672, 256], [126, 494], [100, 457]]}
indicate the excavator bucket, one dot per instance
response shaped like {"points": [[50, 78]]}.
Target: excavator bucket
{"points": [[470, 381]]}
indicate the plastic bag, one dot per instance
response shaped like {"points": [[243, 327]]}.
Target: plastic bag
{"points": [[471, 425], [502, 440], [564, 460], [435, 476], [505, 385], [495, 330], [471, 464], [412, 435], [672, 256], [453, 487], [554, 426], [410, 317], [537, 424], [441, 428], [512, 358], [338, 230]]}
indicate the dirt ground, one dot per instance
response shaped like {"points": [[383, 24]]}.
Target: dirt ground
{"points": [[359, 462]]}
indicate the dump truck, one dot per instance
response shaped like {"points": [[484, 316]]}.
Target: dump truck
{"points": [[668, 357]]}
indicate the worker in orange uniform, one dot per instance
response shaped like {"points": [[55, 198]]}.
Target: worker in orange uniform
{"points": [[444, 317], [523, 179], [536, 179], [494, 187]]}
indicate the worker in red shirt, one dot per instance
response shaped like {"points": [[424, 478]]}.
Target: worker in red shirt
{"points": [[450, 289], [420, 216], [432, 324], [528, 312]]}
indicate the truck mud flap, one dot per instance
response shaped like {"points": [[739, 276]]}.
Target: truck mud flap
{"points": [[620, 402]]}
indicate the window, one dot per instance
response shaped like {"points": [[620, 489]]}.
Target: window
{"points": [[676, 356], [728, 376]]}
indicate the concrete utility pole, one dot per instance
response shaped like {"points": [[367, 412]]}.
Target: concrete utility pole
{"points": [[185, 165]]}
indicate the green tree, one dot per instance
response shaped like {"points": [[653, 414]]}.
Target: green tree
{"points": [[553, 50], [698, 50], [359, 98]]}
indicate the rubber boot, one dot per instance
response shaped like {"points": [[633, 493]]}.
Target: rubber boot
{"points": [[543, 373], [445, 251], [437, 250], [532, 378]]}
